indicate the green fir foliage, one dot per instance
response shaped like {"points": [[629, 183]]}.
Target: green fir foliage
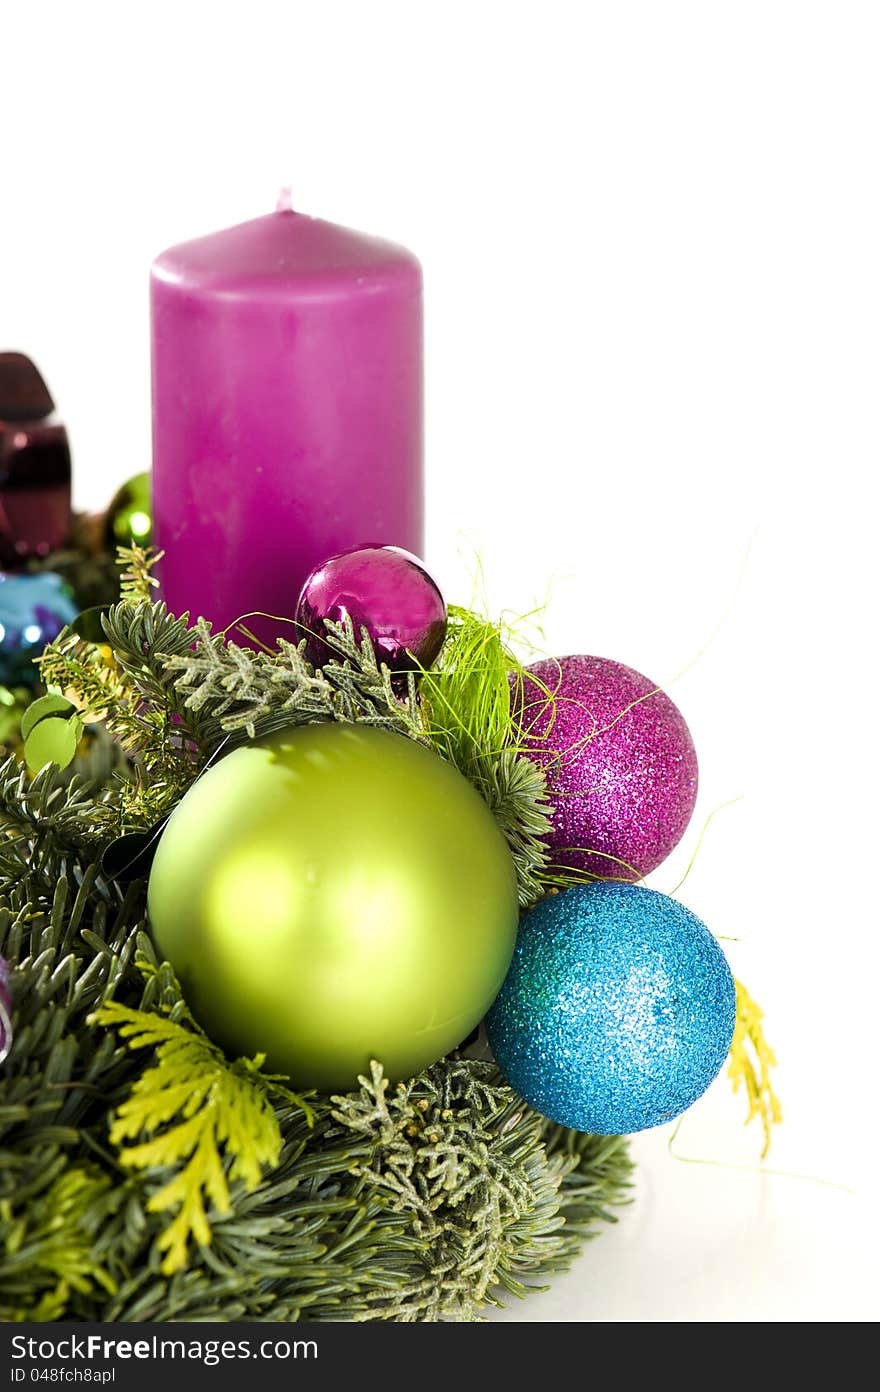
{"points": [[136, 566], [197, 1110], [47, 1246], [145, 1177]]}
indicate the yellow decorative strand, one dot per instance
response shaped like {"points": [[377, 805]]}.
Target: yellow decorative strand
{"points": [[751, 1169], [700, 839], [751, 1060]]}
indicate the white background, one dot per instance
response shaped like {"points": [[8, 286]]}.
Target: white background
{"points": [[650, 236]]}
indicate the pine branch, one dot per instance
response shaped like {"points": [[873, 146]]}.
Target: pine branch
{"points": [[238, 688], [252, 691], [209, 1122], [128, 688], [463, 1158], [82, 669], [430, 1158], [516, 792], [136, 564], [47, 1246], [366, 688], [319, 1237], [417, 1203], [596, 1174], [173, 695], [48, 825]]}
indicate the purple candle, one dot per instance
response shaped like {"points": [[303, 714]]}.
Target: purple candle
{"points": [[287, 410]]}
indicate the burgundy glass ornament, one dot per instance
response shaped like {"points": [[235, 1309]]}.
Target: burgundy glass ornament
{"points": [[383, 589], [5, 1010], [35, 515]]}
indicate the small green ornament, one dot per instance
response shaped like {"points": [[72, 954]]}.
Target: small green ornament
{"points": [[53, 741], [51, 729], [130, 514], [13, 702], [42, 708], [332, 895]]}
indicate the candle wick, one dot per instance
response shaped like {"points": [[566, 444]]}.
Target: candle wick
{"points": [[285, 200]]}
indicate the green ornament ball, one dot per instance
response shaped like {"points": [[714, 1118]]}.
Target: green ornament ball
{"points": [[130, 514], [332, 895]]}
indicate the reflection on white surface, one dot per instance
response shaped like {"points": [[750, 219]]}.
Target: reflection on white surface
{"points": [[704, 1243]]}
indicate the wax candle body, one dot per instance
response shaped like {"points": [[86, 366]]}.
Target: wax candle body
{"points": [[287, 410]]}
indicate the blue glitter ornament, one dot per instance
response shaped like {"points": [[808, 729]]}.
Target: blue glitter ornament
{"points": [[33, 611], [617, 1011]]}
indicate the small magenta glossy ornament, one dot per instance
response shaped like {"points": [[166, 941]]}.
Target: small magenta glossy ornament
{"points": [[287, 410], [382, 589], [620, 762], [33, 611]]}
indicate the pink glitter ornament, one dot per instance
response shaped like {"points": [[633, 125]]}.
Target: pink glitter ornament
{"points": [[619, 759]]}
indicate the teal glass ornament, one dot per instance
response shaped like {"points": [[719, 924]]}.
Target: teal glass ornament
{"points": [[33, 611]]}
